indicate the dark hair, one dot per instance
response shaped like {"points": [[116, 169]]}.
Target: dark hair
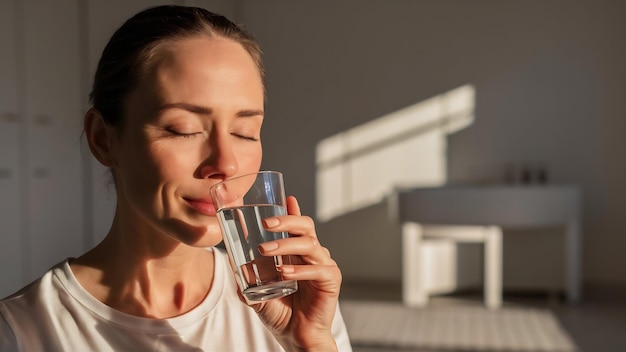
{"points": [[135, 46]]}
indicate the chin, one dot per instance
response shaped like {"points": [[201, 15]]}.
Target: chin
{"points": [[207, 241], [206, 235]]}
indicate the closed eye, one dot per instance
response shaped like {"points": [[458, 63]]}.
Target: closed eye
{"points": [[248, 138], [183, 134]]}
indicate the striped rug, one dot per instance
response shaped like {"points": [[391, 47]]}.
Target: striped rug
{"points": [[454, 328]]}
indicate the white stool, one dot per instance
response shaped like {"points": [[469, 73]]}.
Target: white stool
{"points": [[413, 291]]}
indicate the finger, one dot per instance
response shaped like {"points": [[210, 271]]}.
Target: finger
{"points": [[305, 250], [293, 208], [299, 225], [305, 245], [329, 274]]}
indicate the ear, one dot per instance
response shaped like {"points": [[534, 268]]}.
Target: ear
{"points": [[100, 136]]}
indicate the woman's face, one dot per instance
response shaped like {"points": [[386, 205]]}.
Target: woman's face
{"points": [[193, 121]]}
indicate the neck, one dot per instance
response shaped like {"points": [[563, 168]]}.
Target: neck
{"points": [[145, 273]]}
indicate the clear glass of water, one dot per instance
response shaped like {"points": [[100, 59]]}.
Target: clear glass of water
{"points": [[242, 203]]}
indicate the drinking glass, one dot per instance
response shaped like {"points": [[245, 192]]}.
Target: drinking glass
{"points": [[242, 203]]}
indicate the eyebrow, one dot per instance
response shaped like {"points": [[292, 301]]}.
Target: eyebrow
{"points": [[201, 110], [249, 113]]}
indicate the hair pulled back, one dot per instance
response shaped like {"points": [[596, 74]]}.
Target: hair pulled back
{"points": [[135, 45]]}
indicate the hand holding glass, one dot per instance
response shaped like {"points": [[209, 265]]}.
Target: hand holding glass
{"points": [[242, 203]]}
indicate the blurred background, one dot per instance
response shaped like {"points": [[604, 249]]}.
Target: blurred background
{"points": [[364, 97]]}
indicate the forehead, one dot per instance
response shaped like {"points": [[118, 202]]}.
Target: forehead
{"points": [[206, 54], [202, 69], [205, 50]]}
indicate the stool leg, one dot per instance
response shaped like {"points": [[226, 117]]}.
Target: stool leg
{"points": [[493, 267], [413, 292]]}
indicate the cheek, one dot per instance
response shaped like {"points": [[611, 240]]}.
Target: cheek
{"points": [[144, 171], [163, 164], [249, 159], [175, 166]]}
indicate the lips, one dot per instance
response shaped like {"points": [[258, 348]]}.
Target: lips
{"points": [[204, 206]]}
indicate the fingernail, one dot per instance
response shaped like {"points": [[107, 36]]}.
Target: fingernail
{"points": [[271, 222], [286, 269], [268, 246]]}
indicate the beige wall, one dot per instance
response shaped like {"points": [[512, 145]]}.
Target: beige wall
{"points": [[549, 79]]}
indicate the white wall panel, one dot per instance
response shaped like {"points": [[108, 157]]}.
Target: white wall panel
{"points": [[53, 113], [10, 202]]}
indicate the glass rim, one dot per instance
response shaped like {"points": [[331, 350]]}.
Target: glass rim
{"points": [[247, 175]]}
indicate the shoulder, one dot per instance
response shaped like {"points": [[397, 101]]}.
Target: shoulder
{"points": [[36, 290], [38, 312], [22, 312]]}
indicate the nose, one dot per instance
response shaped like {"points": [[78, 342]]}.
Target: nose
{"points": [[221, 162]]}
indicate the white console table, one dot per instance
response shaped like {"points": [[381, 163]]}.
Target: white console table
{"points": [[505, 207]]}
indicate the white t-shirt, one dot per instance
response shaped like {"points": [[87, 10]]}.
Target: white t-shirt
{"points": [[55, 313]]}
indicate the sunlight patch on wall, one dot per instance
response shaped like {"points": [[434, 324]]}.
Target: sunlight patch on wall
{"points": [[362, 165]]}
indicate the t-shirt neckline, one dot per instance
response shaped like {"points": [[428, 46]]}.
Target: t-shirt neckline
{"points": [[78, 292]]}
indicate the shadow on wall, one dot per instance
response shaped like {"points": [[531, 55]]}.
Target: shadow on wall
{"points": [[362, 165], [359, 169]]}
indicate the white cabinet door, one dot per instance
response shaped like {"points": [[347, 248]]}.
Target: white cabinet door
{"points": [[11, 276], [54, 123]]}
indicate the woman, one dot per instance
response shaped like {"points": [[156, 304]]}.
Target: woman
{"points": [[178, 102]]}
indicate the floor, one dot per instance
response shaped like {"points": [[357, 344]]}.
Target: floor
{"points": [[598, 324]]}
